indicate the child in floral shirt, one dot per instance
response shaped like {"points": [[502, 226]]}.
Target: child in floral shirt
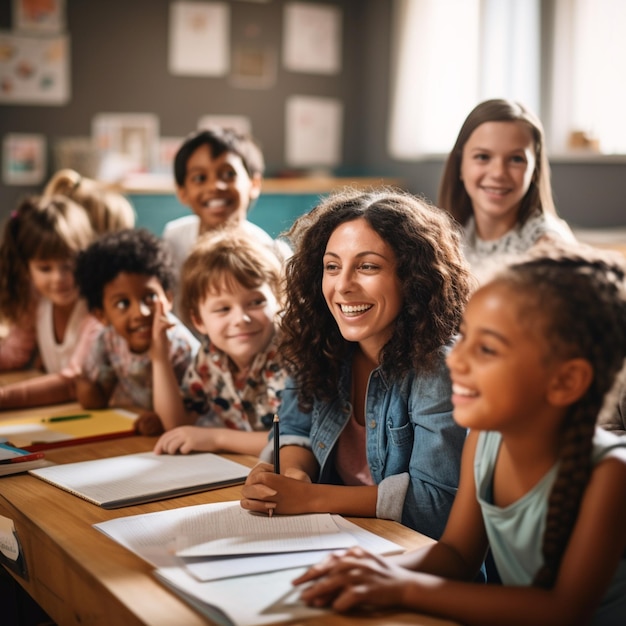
{"points": [[127, 279], [231, 289]]}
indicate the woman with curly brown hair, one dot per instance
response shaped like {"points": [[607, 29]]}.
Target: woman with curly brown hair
{"points": [[539, 351], [375, 291]]}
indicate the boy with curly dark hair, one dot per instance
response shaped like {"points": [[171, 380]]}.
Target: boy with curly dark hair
{"points": [[127, 280]]}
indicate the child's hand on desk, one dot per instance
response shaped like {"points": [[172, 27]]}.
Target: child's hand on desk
{"points": [[186, 439], [283, 493], [148, 424], [355, 578]]}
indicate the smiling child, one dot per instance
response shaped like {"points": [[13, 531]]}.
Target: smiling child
{"points": [[127, 280]]}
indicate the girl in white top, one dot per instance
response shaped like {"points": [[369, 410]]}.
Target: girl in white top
{"points": [[38, 291], [540, 347], [496, 184]]}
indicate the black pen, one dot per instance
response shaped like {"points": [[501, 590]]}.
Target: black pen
{"points": [[66, 418], [276, 444]]}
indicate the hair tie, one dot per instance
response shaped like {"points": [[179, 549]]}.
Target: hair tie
{"points": [[14, 215]]}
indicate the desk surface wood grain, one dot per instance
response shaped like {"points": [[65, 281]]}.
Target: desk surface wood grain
{"points": [[79, 576]]}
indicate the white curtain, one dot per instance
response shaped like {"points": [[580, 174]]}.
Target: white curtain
{"points": [[588, 91], [451, 54]]}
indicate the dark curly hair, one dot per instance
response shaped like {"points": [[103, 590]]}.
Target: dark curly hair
{"points": [[134, 251], [220, 140], [577, 296], [431, 269]]}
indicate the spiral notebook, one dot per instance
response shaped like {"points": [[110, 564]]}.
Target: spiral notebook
{"points": [[130, 479]]}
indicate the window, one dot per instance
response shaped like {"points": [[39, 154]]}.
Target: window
{"points": [[588, 91], [451, 54]]}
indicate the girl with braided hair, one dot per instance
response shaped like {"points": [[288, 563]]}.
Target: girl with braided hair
{"points": [[540, 348]]}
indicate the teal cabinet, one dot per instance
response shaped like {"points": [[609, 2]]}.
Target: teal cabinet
{"points": [[274, 212]]}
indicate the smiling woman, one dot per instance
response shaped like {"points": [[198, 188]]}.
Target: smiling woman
{"points": [[374, 293]]}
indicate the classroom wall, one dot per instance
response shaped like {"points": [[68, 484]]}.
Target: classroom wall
{"points": [[119, 64]]}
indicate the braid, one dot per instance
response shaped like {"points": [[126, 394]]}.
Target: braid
{"points": [[581, 294]]}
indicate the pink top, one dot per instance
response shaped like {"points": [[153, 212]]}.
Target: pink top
{"points": [[351, 457]]}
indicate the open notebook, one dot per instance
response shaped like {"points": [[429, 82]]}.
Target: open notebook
{"points": [[130, 479]]}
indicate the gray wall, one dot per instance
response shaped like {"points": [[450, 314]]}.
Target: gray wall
{"points": [[119, 64]]}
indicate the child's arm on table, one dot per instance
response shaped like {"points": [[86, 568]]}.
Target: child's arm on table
{"points": [[38, 391], [594, 550], [185, 439], [91, 394], [18, 346]]}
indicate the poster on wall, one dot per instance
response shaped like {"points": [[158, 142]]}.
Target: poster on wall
{"points": [[240, 123], [199, 38], [313, 132], [128, 141], [34, 70], [312, 38], [41, 16], [23, 159], [254, 67]]}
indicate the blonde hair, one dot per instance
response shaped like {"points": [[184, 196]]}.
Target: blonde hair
{"points": [[225, 257], [108, 210]]}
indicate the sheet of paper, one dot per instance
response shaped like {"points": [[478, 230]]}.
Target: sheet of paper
{"points": [[312, 38], [223, 528], [269, 598], [207, 568], [237, 531], [199, 38], [156, 537], [313, 131]]}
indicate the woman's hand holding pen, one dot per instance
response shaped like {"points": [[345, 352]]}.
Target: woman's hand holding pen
{"points": [[282, 493]]}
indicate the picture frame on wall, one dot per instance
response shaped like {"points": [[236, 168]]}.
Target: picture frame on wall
{"points": [[253, 67], [128, 141], [38, 16], [23, 159], [34, 69]]}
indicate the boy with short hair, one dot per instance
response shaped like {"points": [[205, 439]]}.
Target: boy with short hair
{"points": [[127, 279], [218, 173]]}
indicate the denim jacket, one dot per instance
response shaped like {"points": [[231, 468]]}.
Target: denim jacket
{"points": [[413, 445]]}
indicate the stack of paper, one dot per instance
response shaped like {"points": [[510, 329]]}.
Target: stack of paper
{"points": [[208, 553]]}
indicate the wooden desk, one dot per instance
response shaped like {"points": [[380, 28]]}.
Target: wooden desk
{"points": [[79, 576]]}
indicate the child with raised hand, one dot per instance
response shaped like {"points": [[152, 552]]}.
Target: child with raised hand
{"points": [[374, 294], [232, 288], [127, 279], [496, 184], [108, 210], [48, 322], [540, 346]]}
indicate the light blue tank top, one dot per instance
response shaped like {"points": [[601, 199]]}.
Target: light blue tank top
{"points": [[516, 532]]}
